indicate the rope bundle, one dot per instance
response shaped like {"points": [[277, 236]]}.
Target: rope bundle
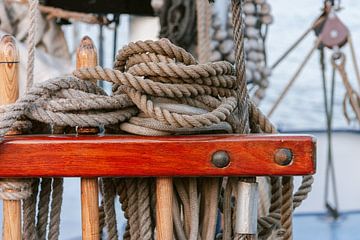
{"points": [[67, 101], [173, 93], [170, 94]]}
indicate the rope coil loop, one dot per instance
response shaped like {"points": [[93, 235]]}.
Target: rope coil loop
{"points": [[153, 71], [338, 60]]}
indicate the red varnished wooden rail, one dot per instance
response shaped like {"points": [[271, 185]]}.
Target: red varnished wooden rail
{"points": [[122, 155]]}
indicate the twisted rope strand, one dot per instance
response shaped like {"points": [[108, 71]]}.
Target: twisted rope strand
{"points": [[43, 213], [163, 91], [33, 9], [56, 203]]}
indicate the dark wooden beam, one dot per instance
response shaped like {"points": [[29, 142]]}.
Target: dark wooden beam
{"points": [[130, 156], [136, 7]]}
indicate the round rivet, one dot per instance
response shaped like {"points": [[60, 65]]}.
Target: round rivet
{"points": [[220, 159], [283, 156]]}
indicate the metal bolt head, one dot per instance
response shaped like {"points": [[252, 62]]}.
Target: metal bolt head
{"points": [[220, 159], [283, 156]]}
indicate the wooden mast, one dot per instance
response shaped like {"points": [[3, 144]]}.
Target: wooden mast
{"points": [[9, 93]]}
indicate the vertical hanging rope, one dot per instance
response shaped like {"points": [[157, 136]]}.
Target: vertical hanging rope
{"points": [[143, 187], [203, 14], [109, 192], [242, 97], [131, 184], [287, 207], [43, 213], [29, 212], [56, 203], [29, 205], [122, 193], [238, 24], [33, 8], [227, 231]]}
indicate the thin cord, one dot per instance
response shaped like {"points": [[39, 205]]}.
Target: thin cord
{"points": [[116, 22], [330, 171]]}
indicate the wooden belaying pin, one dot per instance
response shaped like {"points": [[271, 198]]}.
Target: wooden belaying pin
{"points": [[86, 56], [9, 70], [164, 221], [9, 93]]}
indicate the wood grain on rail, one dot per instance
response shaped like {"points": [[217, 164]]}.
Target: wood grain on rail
{"points": [[123, 155]]}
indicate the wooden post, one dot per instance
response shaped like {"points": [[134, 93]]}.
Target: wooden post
{"points": [[9, 70], [164, 221], [9, 93], [86, 56]]}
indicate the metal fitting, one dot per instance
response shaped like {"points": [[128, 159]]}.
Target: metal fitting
{"points": [[283, 156], [246, 208], [220, 159]]}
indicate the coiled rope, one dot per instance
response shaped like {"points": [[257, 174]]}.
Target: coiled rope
{"points": [[159, 89], [87, 105]]}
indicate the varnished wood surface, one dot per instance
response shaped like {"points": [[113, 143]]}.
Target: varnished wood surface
{"points": [[90, 209], [9, 68], [164, 201], [86, 56], [9, 93], [12, 220], [123, 155]]}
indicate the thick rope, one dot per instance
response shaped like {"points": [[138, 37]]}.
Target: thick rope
{"points": [[33, 8], [132, 208], [28, 107], [56, 203], [240, 66], [108, 192], [170, 91], [203, 13], [170, 79], [287, 207], [143, 203], [43, 214], [29, 212], [122, 193]]}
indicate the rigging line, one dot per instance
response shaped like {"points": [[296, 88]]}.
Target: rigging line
{"points": [[101, 51], [116, 22], [292, 80], [354, 60], [263, 36], [330, 170], [297, 42]]}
